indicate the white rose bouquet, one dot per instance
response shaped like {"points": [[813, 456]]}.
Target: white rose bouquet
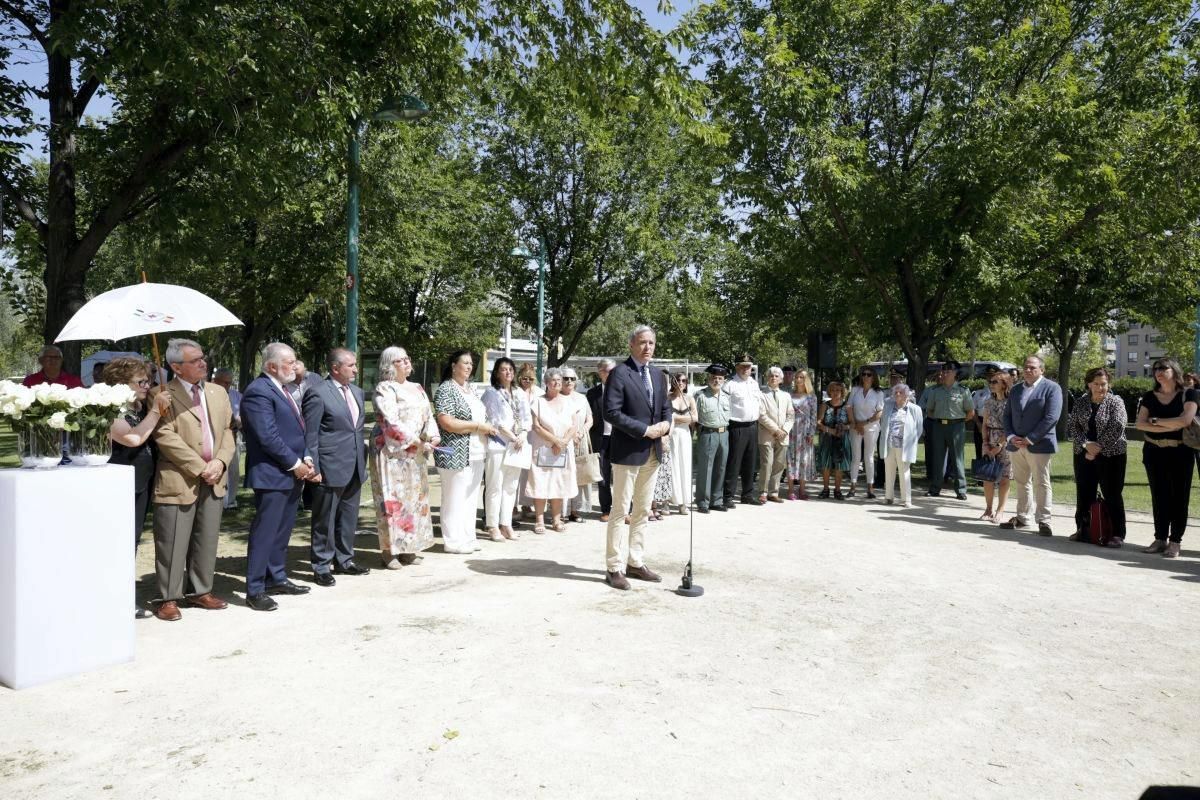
{"points": [[38, 415], [90, 415]]}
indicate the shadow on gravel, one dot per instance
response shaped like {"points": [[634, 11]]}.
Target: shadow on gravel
{"points": [[534, 568], [1128, 556]]}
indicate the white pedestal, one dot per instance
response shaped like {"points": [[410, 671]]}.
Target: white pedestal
{"points": [[66, 572]]}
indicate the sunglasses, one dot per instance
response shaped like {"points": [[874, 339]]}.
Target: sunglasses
{"points": [[526, 379], [570, 380], [1161, 367]]}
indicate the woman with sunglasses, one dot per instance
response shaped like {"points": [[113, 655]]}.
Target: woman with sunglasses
{"points": [[833, 454], [995, 445], [684, 417], [1164, 413], [132, 437]]}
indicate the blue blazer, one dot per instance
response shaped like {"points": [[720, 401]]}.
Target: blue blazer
{"points": [[273, 434], [334, 442], [629, 411], [1037, 420]]}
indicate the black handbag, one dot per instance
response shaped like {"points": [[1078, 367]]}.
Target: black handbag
{"points": [[987, 469]]}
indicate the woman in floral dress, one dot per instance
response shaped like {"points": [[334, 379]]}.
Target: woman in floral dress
{"points": [[800, 438], [833, 455], [404, 434]]}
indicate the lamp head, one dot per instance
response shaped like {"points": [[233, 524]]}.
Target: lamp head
{"points": [[404, 108]]}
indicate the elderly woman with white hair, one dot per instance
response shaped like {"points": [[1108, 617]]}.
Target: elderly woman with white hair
{"points": [[900, 430], [552, 474], [774, 427], [403, 436]]}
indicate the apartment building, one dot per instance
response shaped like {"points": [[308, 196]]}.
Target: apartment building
{"points": [[1136, 350]]}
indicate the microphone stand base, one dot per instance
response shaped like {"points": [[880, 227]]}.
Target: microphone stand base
{"points": [[690, 591]]}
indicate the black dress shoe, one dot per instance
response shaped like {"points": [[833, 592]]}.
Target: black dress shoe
{"points": [[351, 569], [961, 495], [287, 587], [932, 493], [752, 501], [701, 510], [324, 579], [720, 508], [729, 506], [260, 602]]}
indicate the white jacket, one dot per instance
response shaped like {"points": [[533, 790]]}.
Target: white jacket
{"points": [[914, 422]]}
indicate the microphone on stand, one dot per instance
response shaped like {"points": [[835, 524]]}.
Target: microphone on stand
{"points": [[687, 588]]}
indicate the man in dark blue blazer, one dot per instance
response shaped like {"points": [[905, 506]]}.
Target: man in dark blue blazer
{"points": [[637, 404], [1032, 411], [333, 423], [277, 465]]}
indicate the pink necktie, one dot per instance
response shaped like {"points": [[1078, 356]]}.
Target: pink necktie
{"points": [[206, 449], [295, 407], [353, 405]]}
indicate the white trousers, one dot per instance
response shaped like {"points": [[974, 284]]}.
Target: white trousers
{"points": [[1032, 470], [630, 484], [499, 491], [869, 437], [460, 498], [895, 466]]}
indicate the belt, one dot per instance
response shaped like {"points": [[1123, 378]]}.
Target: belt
{"points": [[1163, 442], [706, 429], [735, 423], [942, 421]]}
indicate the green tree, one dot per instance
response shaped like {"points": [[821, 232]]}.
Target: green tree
{"points": [[192, 81], [891, 144]]}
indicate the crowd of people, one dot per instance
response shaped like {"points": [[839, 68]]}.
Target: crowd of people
{"points": [[638, 445]]}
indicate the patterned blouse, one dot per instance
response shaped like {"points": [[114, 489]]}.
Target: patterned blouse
{"points": [[455, 450], [1111, 420]]}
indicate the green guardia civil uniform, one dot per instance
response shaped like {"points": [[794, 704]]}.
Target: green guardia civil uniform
{"points": [[946, 410], [712, 447]]}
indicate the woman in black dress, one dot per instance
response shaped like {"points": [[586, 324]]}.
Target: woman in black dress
{"points": [[1163, 415], [131, 436]]}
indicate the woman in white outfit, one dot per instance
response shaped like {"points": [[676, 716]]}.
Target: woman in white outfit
{"points": [[581, 499], [464, 427], [683, 417], [866, 407], [508, 413], [902, 426], [527, 386]]}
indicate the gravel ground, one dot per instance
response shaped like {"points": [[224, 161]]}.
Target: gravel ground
{"points": [[841, 650]]}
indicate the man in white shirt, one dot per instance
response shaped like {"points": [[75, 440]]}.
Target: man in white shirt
{"points": [[745, 407]]}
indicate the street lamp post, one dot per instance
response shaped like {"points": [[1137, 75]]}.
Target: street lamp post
{"points": [[523, 252], [405, 108]]}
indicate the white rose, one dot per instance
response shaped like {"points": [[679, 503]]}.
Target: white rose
{"points": [[58, 393], [78, 397], [23, 397], [41, 392], [58, 420]]}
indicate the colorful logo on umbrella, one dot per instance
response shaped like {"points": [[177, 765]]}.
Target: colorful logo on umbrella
{"points": [[153, 316]]}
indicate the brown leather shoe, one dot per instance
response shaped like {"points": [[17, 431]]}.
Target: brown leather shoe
{"points": [[209, 601], [775, 498], [168, 611], [616, 580], [643, 573]]}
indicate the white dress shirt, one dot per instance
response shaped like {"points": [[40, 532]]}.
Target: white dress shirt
{"points": [[745, 399]]}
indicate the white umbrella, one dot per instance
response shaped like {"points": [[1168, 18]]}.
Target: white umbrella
{"points": [[145, 308]]}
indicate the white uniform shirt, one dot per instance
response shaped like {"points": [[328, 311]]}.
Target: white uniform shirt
{"points": [[978, 398], [745, 399], [866, 405]]}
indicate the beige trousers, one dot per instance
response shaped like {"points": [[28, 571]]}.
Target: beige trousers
{"points": [[772, 461], [630, 484], [1032, 469]]}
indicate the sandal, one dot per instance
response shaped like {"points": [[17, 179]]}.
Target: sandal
{"points": [[509, 533], [1116, 542], [849, 493], [988, 516], [791, 496], [824, 495], [495, 535], [837, 494], [559, 525], [539, 525]]}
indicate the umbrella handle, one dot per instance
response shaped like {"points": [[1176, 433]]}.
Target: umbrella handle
{"points": [[154, 339]]}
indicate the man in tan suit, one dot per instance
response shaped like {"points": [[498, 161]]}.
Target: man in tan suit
{"points": [[195, 446], [776, 417]]}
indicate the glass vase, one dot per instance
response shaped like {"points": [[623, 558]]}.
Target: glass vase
{"points": [[38, 445], [90, 446]]}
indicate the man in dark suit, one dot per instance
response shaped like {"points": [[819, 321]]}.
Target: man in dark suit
{"points": [[638, 406], [600, 434], [333, 429], [277, 465]]}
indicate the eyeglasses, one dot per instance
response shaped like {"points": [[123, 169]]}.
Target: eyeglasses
{"points": [[195, 360], [570, 380], [144, 382], [526, 379], [401, 360]]}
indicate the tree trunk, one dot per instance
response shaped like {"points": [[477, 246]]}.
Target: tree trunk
{"points": [[248, 354], [1067, 342], [918, 365]]}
